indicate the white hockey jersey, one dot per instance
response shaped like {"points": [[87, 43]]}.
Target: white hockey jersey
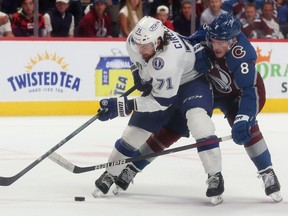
{"points": [[168, 70]]}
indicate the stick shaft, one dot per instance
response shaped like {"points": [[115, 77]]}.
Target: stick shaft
{"points": [[76, 169], [6, 181]]}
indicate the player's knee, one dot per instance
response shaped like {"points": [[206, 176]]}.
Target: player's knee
{"points": [[135, 136], [200, 123]]}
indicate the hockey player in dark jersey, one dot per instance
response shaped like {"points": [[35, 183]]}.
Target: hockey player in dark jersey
{"points": [[228, 58], [239, 92]]}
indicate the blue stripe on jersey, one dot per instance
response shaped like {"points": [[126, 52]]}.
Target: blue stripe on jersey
{"points": [[263, 160], [165, 101], [124, 148], [207, 147], [142, 163]]}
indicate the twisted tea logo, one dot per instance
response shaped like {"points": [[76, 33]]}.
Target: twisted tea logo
{"points": [[51, 76]]}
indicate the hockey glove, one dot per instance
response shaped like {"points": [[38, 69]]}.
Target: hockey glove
{"points": [[241, 129], [140, 84], [203, 62], [114, 107]]}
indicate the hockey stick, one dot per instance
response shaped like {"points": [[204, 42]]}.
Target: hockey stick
{"points": [[76, 169], [6, 181]]}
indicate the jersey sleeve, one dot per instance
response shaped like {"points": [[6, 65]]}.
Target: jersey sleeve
{"points": [[241, 62]]}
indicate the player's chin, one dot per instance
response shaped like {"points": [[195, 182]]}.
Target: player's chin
{"points": [[219, 54]]}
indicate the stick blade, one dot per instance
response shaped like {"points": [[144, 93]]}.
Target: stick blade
{"points": [[6, 181]]}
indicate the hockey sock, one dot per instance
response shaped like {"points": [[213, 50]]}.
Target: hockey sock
{"points": [[258, 150]]}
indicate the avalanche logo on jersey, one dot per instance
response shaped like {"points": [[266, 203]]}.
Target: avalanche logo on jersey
{"points": [[158, 63], [220, 79], [238, 52]]}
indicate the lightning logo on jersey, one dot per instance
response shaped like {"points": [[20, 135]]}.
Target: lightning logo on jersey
{"points": [[158, 63]]}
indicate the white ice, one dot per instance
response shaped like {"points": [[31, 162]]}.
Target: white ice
{"points": [[173, 184]]}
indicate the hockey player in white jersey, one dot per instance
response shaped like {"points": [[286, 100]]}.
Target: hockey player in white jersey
{"points": [[165, 61]]}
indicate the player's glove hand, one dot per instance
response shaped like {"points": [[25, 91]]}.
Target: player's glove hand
{"points": [[140, 84], [114, 107], [203, 62], [241, 129]]}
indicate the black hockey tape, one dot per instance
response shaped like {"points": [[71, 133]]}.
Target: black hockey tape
{"points": [[79, 198]]}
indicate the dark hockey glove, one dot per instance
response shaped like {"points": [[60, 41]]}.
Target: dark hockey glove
{"points": [[241, 128], [204, 61], [114, 107], [140, 84]]}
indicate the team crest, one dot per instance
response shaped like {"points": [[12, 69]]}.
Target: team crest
{"points": [[238, 52], [158, 63], [221, 80]]}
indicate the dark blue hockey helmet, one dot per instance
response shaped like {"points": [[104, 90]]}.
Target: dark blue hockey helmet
{"points": [[225, 27]]}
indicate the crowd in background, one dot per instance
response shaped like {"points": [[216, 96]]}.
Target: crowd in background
{"points": [[116, 18]]}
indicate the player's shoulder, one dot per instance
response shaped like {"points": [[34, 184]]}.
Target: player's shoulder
{"points": [[242, 51]]}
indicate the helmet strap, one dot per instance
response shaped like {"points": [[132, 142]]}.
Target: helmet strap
{"points": [[232, 42]]}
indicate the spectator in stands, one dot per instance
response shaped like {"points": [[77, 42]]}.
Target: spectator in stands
{"points": [[5, 26], [10, 6], [173, 6], [88, 8], [282, 9], [75, 8], [200, 7], [269, 18], [96, 23], [229, 5], [182, 22], [163, 15], [22, 23], [235, 7], [113, 8], [129, 15], [46, 5], [58, 21], [212, 11], [253, 25]]}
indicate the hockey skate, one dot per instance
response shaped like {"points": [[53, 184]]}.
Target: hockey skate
{"points": [[215, 188], [125, 178], [103, 184], [271, 184]]}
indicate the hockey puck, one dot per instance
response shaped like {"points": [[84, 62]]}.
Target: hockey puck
{"points": [[79, 198]]}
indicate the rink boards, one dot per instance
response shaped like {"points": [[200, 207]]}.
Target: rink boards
{"points": [[56, 77]]}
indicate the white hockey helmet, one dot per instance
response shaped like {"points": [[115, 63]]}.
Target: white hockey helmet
{"points": [[148, 30]]}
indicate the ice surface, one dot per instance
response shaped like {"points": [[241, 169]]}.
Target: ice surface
{"points": [[173, 184]]}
